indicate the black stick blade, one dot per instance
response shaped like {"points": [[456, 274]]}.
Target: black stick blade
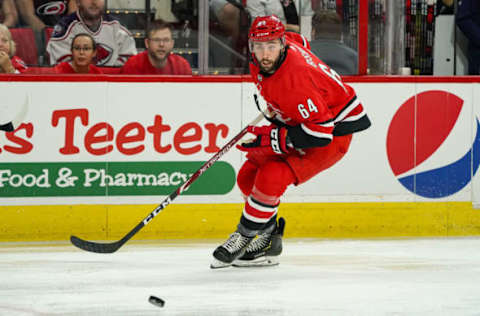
{"points": [[94, 246]]}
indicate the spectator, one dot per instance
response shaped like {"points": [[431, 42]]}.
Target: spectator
{"points": [[158, 58], [286, 10], [229, 21], [9, 63], [8, 13], [115, 44], [39, 14], [83, 51], [468, 20], [227, 15], [327, 45]]}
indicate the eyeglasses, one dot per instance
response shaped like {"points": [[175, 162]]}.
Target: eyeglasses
{"points": [[85, 49], [160, 40]]}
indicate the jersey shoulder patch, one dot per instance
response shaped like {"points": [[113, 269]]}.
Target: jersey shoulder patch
{"points": [[62, 26]]}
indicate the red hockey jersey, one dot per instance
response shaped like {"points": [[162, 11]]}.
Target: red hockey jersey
{"points": [[18, 64], [308, 96], [66, 68]]}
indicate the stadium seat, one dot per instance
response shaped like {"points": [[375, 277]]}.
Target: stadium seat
{"points": [[26, 47]]}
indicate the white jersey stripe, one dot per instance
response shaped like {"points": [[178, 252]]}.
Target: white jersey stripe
{"points": [[354, 117], [326, 125], [315, 133], [346, 111], [257, 219], [305, 43], [260, 207]]}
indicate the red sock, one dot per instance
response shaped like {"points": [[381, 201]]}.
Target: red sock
{"points": [[271, 180]]}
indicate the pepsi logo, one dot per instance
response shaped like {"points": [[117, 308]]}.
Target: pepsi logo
{"points": [[52, 8], [418, 130]]}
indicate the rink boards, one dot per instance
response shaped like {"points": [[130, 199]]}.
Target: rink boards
{"points": [[95, 156]]}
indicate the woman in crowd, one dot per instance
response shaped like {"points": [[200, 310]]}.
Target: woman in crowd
{"points": [[83, 50], [9, 63]]}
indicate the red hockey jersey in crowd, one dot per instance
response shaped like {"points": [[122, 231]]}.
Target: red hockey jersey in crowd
{"points": [[304, 92], [66, 68], [141, 65], [18, 64]]}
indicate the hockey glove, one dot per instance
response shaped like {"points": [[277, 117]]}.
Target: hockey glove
{"points": [[270, 140]]}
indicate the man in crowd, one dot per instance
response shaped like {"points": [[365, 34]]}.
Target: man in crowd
{"points": [[158, 58], [327, 43], [115, 44]]}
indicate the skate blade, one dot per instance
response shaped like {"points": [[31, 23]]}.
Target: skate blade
{"points": [[217, 264], [259, 262]]}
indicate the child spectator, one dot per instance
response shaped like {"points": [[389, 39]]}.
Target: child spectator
{"points": [[83, 51], [158, 58], [9, 63]]}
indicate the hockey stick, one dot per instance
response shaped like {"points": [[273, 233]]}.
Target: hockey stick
{"points": [[18, 119], [114, 246]]}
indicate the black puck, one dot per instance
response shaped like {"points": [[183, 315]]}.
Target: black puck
{"points": [[156, 301]]}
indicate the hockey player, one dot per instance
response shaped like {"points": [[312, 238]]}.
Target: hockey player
{"points": [[313, 115]]}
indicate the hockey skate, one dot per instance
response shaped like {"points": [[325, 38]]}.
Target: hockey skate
{"points": [[265, 249], [234, 247]]}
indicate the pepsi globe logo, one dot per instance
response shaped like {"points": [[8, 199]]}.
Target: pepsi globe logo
{"points": [[412, 142]]}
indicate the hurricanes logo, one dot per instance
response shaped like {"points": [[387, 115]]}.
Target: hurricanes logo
{"points": [[419, 129], [52, 8], [104, 54]]}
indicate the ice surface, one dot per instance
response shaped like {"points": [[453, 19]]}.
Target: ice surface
{"points": [[315, 277]]}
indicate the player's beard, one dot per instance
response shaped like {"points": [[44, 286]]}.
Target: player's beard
{"points": [[269, 67]]}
